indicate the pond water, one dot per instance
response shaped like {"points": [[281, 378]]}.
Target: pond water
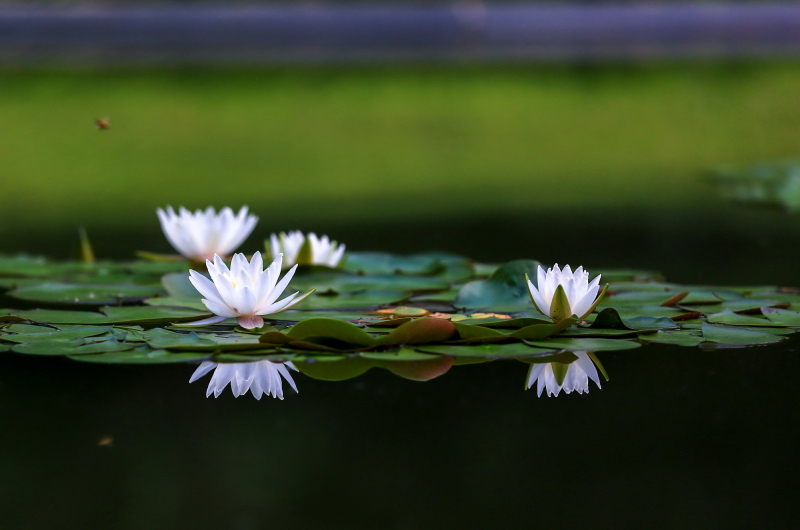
{"points": [[676, 438]]}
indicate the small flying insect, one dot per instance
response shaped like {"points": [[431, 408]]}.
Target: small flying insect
{"points": [[102, 124]]}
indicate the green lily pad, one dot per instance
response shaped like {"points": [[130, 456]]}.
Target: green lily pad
{"points": [[342, 282], [58, 316], [733, 319], [782, 317], [329, 328], [141, 356], [151, 315], [177, 301], [737, 336], [27, 328], [72, 347], [505, 286], [421, 331], [610, 318], [300, 316], [365, 299], [273, 355], [678, 338], [339, 369], [24, 265], [400, 355], [65, 293], [385, 263], [493, 351], [178, 284], [56, 336], [589, 345]]}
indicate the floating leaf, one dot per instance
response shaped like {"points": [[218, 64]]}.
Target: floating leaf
{"points": [[142, 356], [494, 351], [737, 336], [27, 328], [610, 318], [505, 286], [366, 299], [65, 293], [150, 315], [385, 263], [339, 370], [329, 328], [177, 301], [299, 316], [589, 345], [72, 347], [678, 338], [56, 336], [421, 331], [343, 282], [729, 317], [782, 317]]}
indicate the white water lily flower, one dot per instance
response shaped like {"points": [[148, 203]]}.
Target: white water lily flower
{"points": [[260, 378], [580, 294], [202, 234], [577, 378], [244, 291], [323, 250]]}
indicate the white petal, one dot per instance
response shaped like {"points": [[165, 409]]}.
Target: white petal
{"points": [[205, 321], [535, 371], [202, 370], [541, 303]]}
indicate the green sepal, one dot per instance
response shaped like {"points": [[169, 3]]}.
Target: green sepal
{"points": [[528, 286], [530, 367], [597, 363], [560, 372], [87, 254], [559, 306], [596, 303], [305, 256]]}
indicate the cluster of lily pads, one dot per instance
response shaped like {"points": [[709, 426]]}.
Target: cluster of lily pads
{"points": [[416, 316]]}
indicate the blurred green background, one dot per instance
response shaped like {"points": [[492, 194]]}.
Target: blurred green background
{"points": [[361, 144]]}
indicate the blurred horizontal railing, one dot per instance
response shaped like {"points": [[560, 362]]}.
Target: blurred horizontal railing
{"points": [[363, 32]]}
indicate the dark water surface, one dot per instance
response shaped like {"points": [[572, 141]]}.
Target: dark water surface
{"points": [[678, 438]]}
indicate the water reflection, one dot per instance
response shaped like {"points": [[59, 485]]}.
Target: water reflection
{"points": [[259, 377], [573, 376], [567, 371]]}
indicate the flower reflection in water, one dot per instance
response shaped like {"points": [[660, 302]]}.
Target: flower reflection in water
{"points": [[573, 376], [260, 377]]}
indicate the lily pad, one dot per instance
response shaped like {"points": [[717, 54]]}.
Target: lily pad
{"points": [[342, 282], [678, 338], [737, 336], [493, 351], [56, 336], [329, 328], [421, 331], [365, 299], [66, 293], [385, 263], [505, 286], [729, 317], [589, 345], [73, 347], [782, 317], [142, 356]]}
